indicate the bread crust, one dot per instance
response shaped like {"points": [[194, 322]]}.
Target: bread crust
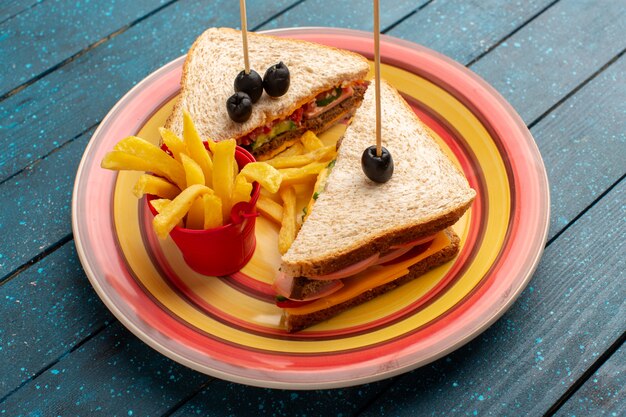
{"points": [[294, 323], [378, 245], [174, 121], [361, 246]]}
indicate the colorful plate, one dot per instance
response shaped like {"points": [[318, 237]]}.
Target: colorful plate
{"points": [[229, 328]]}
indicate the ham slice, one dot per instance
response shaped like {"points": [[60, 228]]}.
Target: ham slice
{"points": [[396, 253], [350, 270], [314, 110], [414, 242], [284, 283]]}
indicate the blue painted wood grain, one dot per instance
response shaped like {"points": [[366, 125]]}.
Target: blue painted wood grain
{"points": [[548, 58], [11, 9], [45, 313], [38, 209], [221, 398], [560, 136], [572, 310], [354, 15], [114, 373], [464, 29], [572, 138], [41, 37], [71, 100], [604, 394], [570, 260]]}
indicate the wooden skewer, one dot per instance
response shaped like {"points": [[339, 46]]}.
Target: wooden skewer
{"points": [[244, 35], [377, 75]]}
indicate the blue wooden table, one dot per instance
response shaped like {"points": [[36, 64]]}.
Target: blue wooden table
{"points": [[558, 350]]}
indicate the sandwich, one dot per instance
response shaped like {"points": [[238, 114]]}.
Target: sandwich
{"points": [[326, 86], [361, 239]]}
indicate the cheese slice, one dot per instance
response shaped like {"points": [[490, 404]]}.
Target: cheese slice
{"points": [[372, 277]]}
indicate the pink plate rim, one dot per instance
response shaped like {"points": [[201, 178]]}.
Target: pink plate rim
{"points": [[489, 302]]}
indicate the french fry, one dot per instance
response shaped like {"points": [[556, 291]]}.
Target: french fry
{"points": [[295, 149], [119, 161], [174, 212], [223, 175], [270, 209], [307, 173], [212, 211], [160, 203], [194, 175], [287, 232], [196, 148], [193, 171], [149, 184], [319, 154], [173, 143], [264, 174], [310, 141], [242, 190], [159, 162], [189, 167]]}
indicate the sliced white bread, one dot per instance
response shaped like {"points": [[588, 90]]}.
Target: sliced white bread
{"points": [[295, 322], [354, 218], [216, 58]]}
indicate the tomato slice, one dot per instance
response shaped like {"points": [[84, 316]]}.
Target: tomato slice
{"points": [[283, 302]]}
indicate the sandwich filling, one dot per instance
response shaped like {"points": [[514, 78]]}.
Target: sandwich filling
{"points": [[316, 292], [316, 115]]}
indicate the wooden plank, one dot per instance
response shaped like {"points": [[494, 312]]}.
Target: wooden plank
{"points": [[33, 180], [564, 138], [117, 365], [519, 67], [10, 9], [37, 206], [221, 398], [603, 393], [463, 30], [45, 313], [585, 125], [529, 62], [41, 37], [545, 342], [356, 15], [112, 374], [208, 402], [107, 366], [64, 104]]}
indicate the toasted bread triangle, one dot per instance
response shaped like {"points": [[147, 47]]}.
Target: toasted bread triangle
{"points": [[216, 58], [354, 218]]}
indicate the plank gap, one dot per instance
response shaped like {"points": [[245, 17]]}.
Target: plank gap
{"points": [[393, 25], [576, 89], [586, 375], [83, 52], [274, 16], [188, 398], [585, 210], [13, 16], [505, 38], [54, 362], [36, 161], [8, 277]]}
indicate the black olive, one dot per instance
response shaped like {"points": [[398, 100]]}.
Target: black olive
{"points": [[276, 80], [377, 168], [250, 83], [239, 107]]}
